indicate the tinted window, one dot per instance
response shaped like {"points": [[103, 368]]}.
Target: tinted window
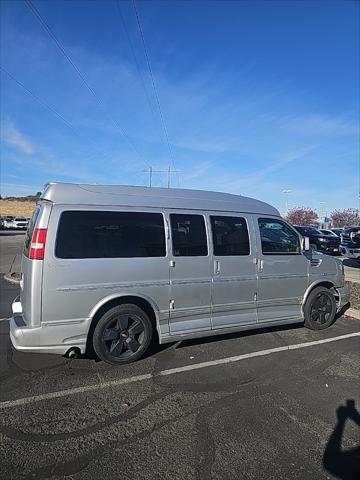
{"points": [[277, 237], [188, 235], [90, 234], [230, 236], [308, 231]]}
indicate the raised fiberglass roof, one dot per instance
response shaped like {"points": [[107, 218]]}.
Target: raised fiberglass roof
{"points": [[106, 195]]}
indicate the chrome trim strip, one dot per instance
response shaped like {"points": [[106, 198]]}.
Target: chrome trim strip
{"points": [[279, 302], [191, 281], [189, 312], [65, 322], [110, 286], [235, 279], [228, 307], [284, 275]]}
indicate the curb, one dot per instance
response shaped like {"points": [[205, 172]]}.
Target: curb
{"points": [[353, 312], [13, 278]]}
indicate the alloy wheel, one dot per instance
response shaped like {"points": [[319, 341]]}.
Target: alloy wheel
{"points": [[321, 309], [123, 336]]}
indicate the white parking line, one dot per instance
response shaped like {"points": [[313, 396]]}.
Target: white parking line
{"points": [[171, 371]]}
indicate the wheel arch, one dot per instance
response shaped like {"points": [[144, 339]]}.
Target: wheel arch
{"points": [[319, 283], [142, 301]]}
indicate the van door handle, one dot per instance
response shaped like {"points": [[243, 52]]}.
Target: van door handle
{"points": [[217, 267], [260, 265]]}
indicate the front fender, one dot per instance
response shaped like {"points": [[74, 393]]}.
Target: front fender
{"points": [[314, 284]]}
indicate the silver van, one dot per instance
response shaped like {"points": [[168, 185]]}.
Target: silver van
{"points": [[110, 268]]}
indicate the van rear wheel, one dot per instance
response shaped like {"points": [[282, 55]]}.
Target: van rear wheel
{"points": [[122, 335], [320, 309]]}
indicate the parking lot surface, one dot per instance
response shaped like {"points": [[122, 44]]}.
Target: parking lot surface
{"points": [[264, 404]]}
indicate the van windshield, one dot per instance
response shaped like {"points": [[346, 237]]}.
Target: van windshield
{"points": [[30, 230]]}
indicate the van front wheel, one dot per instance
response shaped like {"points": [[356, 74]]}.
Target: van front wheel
{"points": [[319, 309], [122, 335]]}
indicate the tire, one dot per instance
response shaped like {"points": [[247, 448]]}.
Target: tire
{"points": [[319, 309], [122, 335]]}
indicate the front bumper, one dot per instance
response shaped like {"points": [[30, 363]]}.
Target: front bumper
{"points": [[344, 297], [350, 252], [329, 249], [52, 337]]}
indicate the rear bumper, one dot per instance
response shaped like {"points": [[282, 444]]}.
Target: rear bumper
{"points": [[55, 337]]}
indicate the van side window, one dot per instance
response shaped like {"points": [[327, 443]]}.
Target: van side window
{"points": [[230, 236], [96, 234], [277, 238], [188, 235]]}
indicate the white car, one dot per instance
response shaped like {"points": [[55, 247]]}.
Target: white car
{"points": [[18, 223]]}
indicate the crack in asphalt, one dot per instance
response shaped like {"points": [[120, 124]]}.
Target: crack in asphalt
{"points": [[79, 463], [16, 434]]}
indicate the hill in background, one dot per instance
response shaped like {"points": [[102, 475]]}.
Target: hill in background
{"points": [[18, 206]]}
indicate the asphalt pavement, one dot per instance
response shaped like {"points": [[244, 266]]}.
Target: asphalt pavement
{"points": [[270, 404]]}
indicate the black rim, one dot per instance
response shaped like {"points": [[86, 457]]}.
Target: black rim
{"points": [[321, 309], [123, 336]]}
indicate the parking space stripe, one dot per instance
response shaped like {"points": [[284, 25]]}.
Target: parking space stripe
{"points": [[171, 371]]}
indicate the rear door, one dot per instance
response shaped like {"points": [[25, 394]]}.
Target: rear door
{"points": [[93, 253], [234, 270], [190, 274], [282, 270]]}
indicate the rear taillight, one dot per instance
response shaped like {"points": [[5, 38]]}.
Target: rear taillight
{"points": [[37, 247]]}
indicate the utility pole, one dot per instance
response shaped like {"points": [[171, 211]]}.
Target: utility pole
{"points": [[151, 171], [286, 191]]}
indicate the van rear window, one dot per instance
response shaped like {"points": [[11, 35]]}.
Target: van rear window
{"points": [[96, 234]]}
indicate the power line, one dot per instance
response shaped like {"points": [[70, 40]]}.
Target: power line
{"points": [[38, 99], [136, 62], [162, 119], [82, 77], [46, 105]]}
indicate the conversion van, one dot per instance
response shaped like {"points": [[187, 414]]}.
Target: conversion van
{"points": [[110, 268]]}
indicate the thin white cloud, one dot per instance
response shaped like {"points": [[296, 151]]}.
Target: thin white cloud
{"points": [[14, 137], [321, 125], [10, 189]]}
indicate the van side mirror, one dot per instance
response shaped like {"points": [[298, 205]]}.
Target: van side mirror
{"points": [[305, 244]]}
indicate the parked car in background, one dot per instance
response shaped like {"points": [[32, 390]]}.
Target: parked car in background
{"points": [[337, 231], [6, 221], [350, 242], [18, 223], [318, 241], [327, 232]]}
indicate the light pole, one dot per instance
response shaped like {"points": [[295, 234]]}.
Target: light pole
{"points": [[323, 212], [286, 192]]}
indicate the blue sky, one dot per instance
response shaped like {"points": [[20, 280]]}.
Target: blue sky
{"points": [[257, 97]]}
